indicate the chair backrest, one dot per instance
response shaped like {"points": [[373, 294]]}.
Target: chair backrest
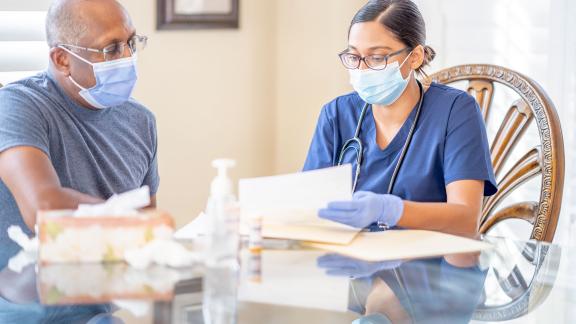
{"points": [[523, 287], [545, 159]]}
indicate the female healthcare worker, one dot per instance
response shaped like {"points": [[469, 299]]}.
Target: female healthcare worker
{"points": [[420, 153]]}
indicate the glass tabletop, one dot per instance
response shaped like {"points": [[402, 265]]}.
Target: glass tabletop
{"points": [[515, 282]]}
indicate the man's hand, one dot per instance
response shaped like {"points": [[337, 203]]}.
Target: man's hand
{"points": [[29, 175]]}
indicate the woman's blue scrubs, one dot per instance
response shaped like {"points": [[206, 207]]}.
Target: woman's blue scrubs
{"points": [[449, 144]]}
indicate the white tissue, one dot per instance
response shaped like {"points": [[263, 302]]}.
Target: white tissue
{"points": [[16, 234], [29, 246], [20, 261], [162, 252], [198, 227], [123, 204]]}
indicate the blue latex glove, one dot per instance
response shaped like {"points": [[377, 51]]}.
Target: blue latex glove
{"points": [[364, 209], [339, 265]]}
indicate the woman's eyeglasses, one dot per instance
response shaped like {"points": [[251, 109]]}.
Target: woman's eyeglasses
{"points": [[374, 62]]}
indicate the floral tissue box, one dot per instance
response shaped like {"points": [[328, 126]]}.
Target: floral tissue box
{"points": [[67, 238]]}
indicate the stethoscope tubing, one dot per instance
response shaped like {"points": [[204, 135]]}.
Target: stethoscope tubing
{"points": [[360, 149]]}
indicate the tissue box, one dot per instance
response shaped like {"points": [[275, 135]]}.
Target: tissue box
{"points": [[98, 283], [67, 238]]}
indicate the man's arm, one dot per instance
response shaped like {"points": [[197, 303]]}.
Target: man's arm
{"points": [[32, 180]]}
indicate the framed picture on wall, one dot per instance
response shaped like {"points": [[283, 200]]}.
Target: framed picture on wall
{"points": [[197, 14]]}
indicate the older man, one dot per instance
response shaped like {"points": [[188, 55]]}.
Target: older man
{"points": [[73, 134]]}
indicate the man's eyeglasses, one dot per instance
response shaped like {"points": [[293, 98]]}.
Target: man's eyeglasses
{"points": [[374, 62], [117, 50]]}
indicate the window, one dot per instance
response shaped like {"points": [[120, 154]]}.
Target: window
{"points": [[23, 49], [533, 37]]}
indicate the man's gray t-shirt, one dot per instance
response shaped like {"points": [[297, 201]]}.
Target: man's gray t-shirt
{"points": [[96, 152]]}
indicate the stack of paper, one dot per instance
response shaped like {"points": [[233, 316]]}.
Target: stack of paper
{"points": [[403, 244], [289, 204]]}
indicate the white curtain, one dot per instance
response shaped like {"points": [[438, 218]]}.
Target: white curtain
{"points": [[534, 37]]}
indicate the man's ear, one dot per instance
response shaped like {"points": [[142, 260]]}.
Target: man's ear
{"points": [[60, 60]]}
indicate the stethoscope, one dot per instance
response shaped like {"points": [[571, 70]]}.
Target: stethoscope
{"points": [[359, 149], [356, 144]]}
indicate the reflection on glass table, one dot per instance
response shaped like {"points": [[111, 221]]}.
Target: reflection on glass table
{"points": [[522, 281]]}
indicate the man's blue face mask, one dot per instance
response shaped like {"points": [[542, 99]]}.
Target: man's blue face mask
{"points": [[115, 81]]}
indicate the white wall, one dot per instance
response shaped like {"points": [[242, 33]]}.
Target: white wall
{"points": [[213, 95], [310, 34]]}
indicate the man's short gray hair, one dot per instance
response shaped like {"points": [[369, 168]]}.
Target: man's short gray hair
{"points": [[64, 25]]}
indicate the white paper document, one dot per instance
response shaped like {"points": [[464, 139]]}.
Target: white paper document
{"points": [[404, 244], [289, 204], [197, 227]]}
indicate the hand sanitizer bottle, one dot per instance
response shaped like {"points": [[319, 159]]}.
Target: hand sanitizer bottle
{"points": [[220, 282], [223, 212]]}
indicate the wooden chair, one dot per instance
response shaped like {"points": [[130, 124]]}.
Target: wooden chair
{"points": [[545, 159]]}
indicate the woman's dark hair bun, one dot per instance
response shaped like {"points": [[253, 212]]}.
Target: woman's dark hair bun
{"points": [[429, 55]]}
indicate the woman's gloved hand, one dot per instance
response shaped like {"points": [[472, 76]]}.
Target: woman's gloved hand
{"points": [[364, 209]]}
